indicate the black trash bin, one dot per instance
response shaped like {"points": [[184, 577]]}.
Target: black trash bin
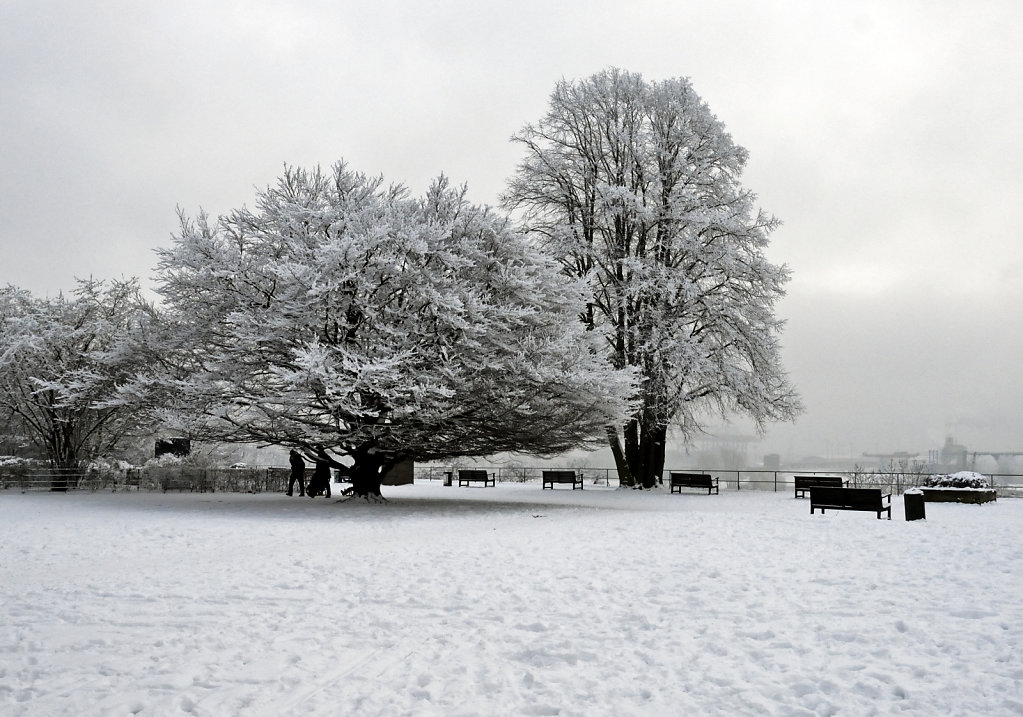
{"points": [[914, 502], [447, 477]]}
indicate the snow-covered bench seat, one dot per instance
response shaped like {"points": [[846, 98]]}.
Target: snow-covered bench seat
{"points": [[870, 500], [465, 477], [679, 481], [567, 477]]}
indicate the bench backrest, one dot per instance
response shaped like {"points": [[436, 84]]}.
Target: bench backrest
{"points": [[472, 475], [698, 479], [853, 497], [807, 481], [559, 475]]}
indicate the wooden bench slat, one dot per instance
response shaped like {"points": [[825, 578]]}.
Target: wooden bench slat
{"points": [[465, 477], [549, 478], [678, 481], [803, 483], [870, 500]]}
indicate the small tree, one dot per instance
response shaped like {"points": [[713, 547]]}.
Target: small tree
{"points": [[62, 358], [634, 187], [365, 327]]}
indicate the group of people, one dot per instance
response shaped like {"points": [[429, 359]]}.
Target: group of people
{"points": [[319, 484]]}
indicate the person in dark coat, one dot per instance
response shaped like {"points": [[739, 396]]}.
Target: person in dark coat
{"points": [[319, 484], [297, 473]]}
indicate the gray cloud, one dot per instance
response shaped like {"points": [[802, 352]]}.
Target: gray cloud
{"points": [[883, 134]]}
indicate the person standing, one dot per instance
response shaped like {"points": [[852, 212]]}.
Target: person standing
{"points": [[320, 482], [297, 473]]}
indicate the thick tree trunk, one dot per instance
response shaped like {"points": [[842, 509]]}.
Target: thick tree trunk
{"points": [[64, 467], [365, 480], [632, 451], [652, 444], [644, 451], [624, 474], [366, 474]]}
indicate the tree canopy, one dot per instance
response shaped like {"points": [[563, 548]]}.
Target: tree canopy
{"points": [[62, 359], [365, 326], [635, 187]]}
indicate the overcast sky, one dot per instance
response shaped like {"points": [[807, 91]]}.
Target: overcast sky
{"points": [[885, 134]]}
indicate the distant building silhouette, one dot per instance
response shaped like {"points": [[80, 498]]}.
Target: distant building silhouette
{"points": [[949, 458]]}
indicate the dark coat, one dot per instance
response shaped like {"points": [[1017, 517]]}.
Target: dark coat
{"points": [[297, 465], [319, 484]]}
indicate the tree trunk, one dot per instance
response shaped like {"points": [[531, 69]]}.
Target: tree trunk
{"points": [[624, 474], [366, 474], [653, 438], [64, 466], [644, 451]]}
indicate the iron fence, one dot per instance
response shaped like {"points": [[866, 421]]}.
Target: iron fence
{"points": [[275, 479], [1006, 484], [53, 479], [163, 478]]}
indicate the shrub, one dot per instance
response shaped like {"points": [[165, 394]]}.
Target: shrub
{"points": [[962, 479]]}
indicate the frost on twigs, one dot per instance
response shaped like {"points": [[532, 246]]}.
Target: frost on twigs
{"points": [[64, 363], [365, 327], [635, 187]]}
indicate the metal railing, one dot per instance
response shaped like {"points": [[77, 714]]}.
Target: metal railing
{"points": [[54, 479], [518, 474], [1006, 484], [165, 478], [274, 479]]}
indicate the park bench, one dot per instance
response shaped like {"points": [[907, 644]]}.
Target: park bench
{"points": [[679, 481], [567, 477], [168, 483], [197, 484], [870, 500], [475, 476], [131, 480], [804, 483]]}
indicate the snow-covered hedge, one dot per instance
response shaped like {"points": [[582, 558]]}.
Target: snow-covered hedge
{"points": [[962, 479]]}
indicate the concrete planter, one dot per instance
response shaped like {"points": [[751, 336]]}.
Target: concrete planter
{"points": [[959, 495]]}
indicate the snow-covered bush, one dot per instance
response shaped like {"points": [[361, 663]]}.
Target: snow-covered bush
{"points": [[962, 479], [167, 459], [108, 466]]}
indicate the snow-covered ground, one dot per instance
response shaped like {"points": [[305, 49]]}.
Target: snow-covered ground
{"points": [[505, 601]]}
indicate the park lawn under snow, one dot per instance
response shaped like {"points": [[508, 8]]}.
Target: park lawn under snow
{"points": [[505, 601]]}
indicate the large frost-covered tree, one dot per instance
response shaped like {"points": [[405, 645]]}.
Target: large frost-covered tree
{"points": [[62, 359], [365, 327], [635, 186]]}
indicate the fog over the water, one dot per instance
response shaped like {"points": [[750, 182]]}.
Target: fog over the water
{"points": [[884, 134]]}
